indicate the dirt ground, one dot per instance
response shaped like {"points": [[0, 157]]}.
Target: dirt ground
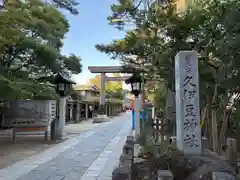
{"points": [[27, 145]]}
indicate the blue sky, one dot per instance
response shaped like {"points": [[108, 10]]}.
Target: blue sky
{"points": [[87, 29]]}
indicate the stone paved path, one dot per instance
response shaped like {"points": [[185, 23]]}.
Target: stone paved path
{"points": [[90, 156], [32, 143]]}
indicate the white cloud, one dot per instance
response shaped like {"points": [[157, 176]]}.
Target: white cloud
{"points": [[80, 78], [126, 86]]}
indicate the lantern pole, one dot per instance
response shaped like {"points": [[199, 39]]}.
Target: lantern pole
{"points": [[137, 114], [135, 82], [63, 88], [62, 116]]}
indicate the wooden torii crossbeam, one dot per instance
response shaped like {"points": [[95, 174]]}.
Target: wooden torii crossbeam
{"points": [[123, 78], [105, 69]]}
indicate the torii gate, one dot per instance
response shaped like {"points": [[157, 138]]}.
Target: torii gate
{"points": [[103, 70]]}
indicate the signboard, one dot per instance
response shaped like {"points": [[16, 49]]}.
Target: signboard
{"points": [[187, 102], [29, 113]]}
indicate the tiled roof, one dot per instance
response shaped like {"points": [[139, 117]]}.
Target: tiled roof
{"points": [[85, 88]]}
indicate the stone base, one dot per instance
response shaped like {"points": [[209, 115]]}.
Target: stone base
{"points": [[101, 118], [164, 174], [134, 134], [60, 139]]}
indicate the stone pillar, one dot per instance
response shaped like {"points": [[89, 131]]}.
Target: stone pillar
{"points": [[74, 111], [187, 103], [70, 111], [114, 110], [102, 94], [153, 112], [231, 151], [90, 107], [78, 116], [67, 111], [62, 116], [86, 111], [107, 108], [93, 110], [111, 109]]}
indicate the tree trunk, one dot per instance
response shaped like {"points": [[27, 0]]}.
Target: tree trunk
{"points": [[209, 122], [214, 121], [223, 130], [204, 114], [238, 137], [214, 131], [227, 116]]}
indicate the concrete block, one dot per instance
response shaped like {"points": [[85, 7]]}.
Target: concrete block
{"points": [[231, 151], [130, 140], [125, 158], [164, 175], [128, 150], [222, 176], [120, 174], [205, 144], [174, 140]]}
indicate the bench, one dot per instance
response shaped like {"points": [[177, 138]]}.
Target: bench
{"points": [[30, 129]]}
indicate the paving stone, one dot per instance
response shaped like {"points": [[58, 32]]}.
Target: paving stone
{"points": [[73, 175], [90, 178], [105, 178], [35, 175], [80, 169], [85, 157], [56, 178], [91, 173]]}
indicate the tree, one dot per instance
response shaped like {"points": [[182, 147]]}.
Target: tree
{"points": [[114, 86], [70, 5], [211, 28], [72, 63], [95, 81], [110, 86], [114, 89], [31, 39]]}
